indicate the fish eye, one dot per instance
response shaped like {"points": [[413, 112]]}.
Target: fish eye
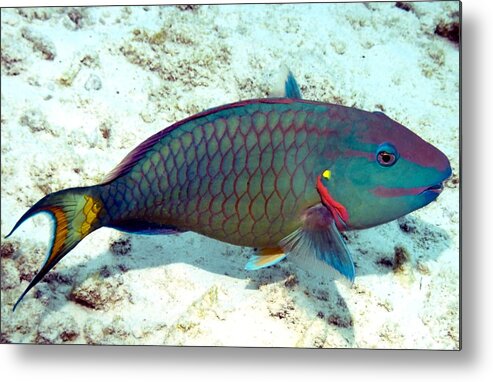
{"points": [[386, 155]]}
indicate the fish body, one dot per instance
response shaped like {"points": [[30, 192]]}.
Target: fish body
{"points": [[285, 175], [242, 173]]}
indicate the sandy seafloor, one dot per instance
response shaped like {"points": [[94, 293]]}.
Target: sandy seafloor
{"points": [[80, 87]]}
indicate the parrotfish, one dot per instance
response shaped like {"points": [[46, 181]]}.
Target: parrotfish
{"points": [[284, 175]]}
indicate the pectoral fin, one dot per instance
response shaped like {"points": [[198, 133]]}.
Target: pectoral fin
{"points": [[265, 258], [320, 238]]}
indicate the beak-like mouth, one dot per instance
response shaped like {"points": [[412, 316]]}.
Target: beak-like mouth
{"points": [[437, 188], [433, 190], [396, 192]]}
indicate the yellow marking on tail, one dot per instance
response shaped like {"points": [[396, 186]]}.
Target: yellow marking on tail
{"points": [[61, 230], [91, 211]]}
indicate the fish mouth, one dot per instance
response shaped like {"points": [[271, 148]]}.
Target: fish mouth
{"points": [[385, 192], [436, 188], [428, 191]]}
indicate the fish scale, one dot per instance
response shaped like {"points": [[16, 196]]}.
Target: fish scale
{"points": [[227, 174]]}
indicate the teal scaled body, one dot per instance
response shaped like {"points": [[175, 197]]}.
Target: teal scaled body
{"points": [[283, 175], [243, 173]]}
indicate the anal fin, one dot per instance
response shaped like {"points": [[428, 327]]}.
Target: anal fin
{"points": [[266, 258]]}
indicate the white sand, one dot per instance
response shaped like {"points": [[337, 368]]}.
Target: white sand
{"points": [[125, 73]]}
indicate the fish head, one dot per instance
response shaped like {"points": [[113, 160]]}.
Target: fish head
{"points": [[380, 171]]}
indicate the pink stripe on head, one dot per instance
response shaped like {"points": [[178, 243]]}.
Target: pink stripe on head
{"points": [[395, 192], [349, 153], [409, 145], [361, 154]]}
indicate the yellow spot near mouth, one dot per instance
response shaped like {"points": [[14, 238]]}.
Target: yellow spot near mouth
{"points": [[326, 174], [91, 210]]}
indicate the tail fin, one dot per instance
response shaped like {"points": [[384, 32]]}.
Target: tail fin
{"points": [[76, 213]]}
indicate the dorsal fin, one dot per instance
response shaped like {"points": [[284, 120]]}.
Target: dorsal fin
{"points": [[285, 85], [291, 87]]}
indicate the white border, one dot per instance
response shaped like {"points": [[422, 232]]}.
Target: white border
{"points": [[473, 363]]}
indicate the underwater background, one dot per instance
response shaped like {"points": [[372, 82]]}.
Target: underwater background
{"points": [[82, 86]]}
